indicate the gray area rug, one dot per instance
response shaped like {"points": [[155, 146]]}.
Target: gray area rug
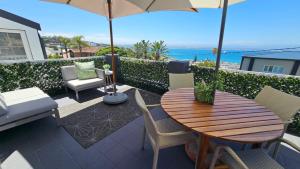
{"points": [[90, 125]]}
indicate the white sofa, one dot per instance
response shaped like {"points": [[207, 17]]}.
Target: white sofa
{"points": [[71, 81], [25, 105]]}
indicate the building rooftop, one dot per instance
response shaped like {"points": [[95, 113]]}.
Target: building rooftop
{"points": [[290, 55], [19, 19]]}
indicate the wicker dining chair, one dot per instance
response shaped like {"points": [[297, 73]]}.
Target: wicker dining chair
{"points": [[248, 159], [282, 104], [162, 133], [182, 80]]}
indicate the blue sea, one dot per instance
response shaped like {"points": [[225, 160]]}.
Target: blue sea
{"points": [[233, 56]]}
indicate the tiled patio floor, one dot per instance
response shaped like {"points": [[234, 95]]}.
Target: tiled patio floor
{"points": [[46, 146]]}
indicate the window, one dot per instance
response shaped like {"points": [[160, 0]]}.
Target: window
{"points": [[273, 69], [11, 46]]}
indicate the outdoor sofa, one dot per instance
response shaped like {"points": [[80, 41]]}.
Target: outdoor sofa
{"points": [[25, 105], [71, 80]]}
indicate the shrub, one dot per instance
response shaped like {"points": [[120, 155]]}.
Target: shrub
{"points": [[107, 50], [55, 56], [206, 63]]}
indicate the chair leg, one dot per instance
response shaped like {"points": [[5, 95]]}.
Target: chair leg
{"points": [[105, 90], [57, 117], [276, 150], [144, 138], [155, 158], [77, 96]]}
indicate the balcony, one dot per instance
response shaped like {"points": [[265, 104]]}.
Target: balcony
{"points": [[76, 145]]}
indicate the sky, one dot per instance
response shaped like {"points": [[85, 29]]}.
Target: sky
{"points": [[251, 24]]}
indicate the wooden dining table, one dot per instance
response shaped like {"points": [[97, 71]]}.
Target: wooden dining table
{"points": [[231, 117]]}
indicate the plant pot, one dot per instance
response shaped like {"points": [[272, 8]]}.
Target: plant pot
{"points": [[204, 96]]}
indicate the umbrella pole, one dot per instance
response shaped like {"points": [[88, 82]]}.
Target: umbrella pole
{"points": [[223, 22], [112, 45]]}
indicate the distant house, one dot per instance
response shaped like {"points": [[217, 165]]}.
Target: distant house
{"points": [[279, 63], [86, 51], [19, 38]]}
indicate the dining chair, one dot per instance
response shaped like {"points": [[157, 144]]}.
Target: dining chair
{"points": [[282, 104], [248, 159], [162, 133], [182, 80]]}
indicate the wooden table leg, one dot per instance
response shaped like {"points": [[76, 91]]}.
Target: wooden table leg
{"points": [[203, 149]]}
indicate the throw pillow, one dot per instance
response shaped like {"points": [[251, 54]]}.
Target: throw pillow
{"points": [[85, 70]]}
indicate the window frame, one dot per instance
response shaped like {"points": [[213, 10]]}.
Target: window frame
{"points": [[24, 41], [279, 69]]}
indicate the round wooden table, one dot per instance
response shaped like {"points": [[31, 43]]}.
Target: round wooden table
{"points": [[232, 118]]}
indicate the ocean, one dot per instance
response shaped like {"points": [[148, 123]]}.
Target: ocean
{"points": [[232, 56]]}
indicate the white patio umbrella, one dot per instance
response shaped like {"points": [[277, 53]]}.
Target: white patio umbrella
{"points": [[119, 8]]}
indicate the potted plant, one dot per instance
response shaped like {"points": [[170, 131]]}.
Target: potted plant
{"points": [[205, 92], [106, 68]]}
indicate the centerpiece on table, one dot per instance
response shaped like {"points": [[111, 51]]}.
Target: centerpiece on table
{"points": [[205, 92]]}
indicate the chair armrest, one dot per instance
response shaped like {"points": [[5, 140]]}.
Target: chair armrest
{"points": [[177, 133], [230, 152], [153, 105], [100, 73]]}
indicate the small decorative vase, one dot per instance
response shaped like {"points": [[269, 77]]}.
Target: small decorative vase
{"points": [[106, 71]]}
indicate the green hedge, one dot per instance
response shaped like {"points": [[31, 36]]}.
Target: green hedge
{"points": [[249, 84], [43, 74], [145, 74]]}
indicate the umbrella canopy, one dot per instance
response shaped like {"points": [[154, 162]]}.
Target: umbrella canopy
{"points": [[121, 8], [118, 8]]}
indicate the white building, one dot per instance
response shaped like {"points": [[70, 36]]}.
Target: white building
{"points": [[280, 63], [19, 38]]}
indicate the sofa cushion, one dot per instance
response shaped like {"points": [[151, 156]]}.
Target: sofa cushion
{"points": [[3, 106], [85, 70], [68, 73], [16, 96], [26, 103], [79, 85]]}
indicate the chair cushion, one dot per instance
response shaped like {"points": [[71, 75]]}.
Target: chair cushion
{"points": [[68, 73], [85, 70], [3, 106], [25, 103], [254, 159], [79, 85]]}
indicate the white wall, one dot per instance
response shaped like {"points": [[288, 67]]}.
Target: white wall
{"points": [[298, 72], [32, 46], [258, 65], [245, 64]]}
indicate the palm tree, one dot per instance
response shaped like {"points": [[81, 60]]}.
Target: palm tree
{"points": [[78, 41], [138, 50], [145, 45], [159, 49], [66, 42]]}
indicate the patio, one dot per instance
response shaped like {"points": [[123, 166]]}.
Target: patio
{"points": [[46, 146]]}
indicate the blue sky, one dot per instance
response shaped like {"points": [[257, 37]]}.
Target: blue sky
{"points": [[252, 24]]}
